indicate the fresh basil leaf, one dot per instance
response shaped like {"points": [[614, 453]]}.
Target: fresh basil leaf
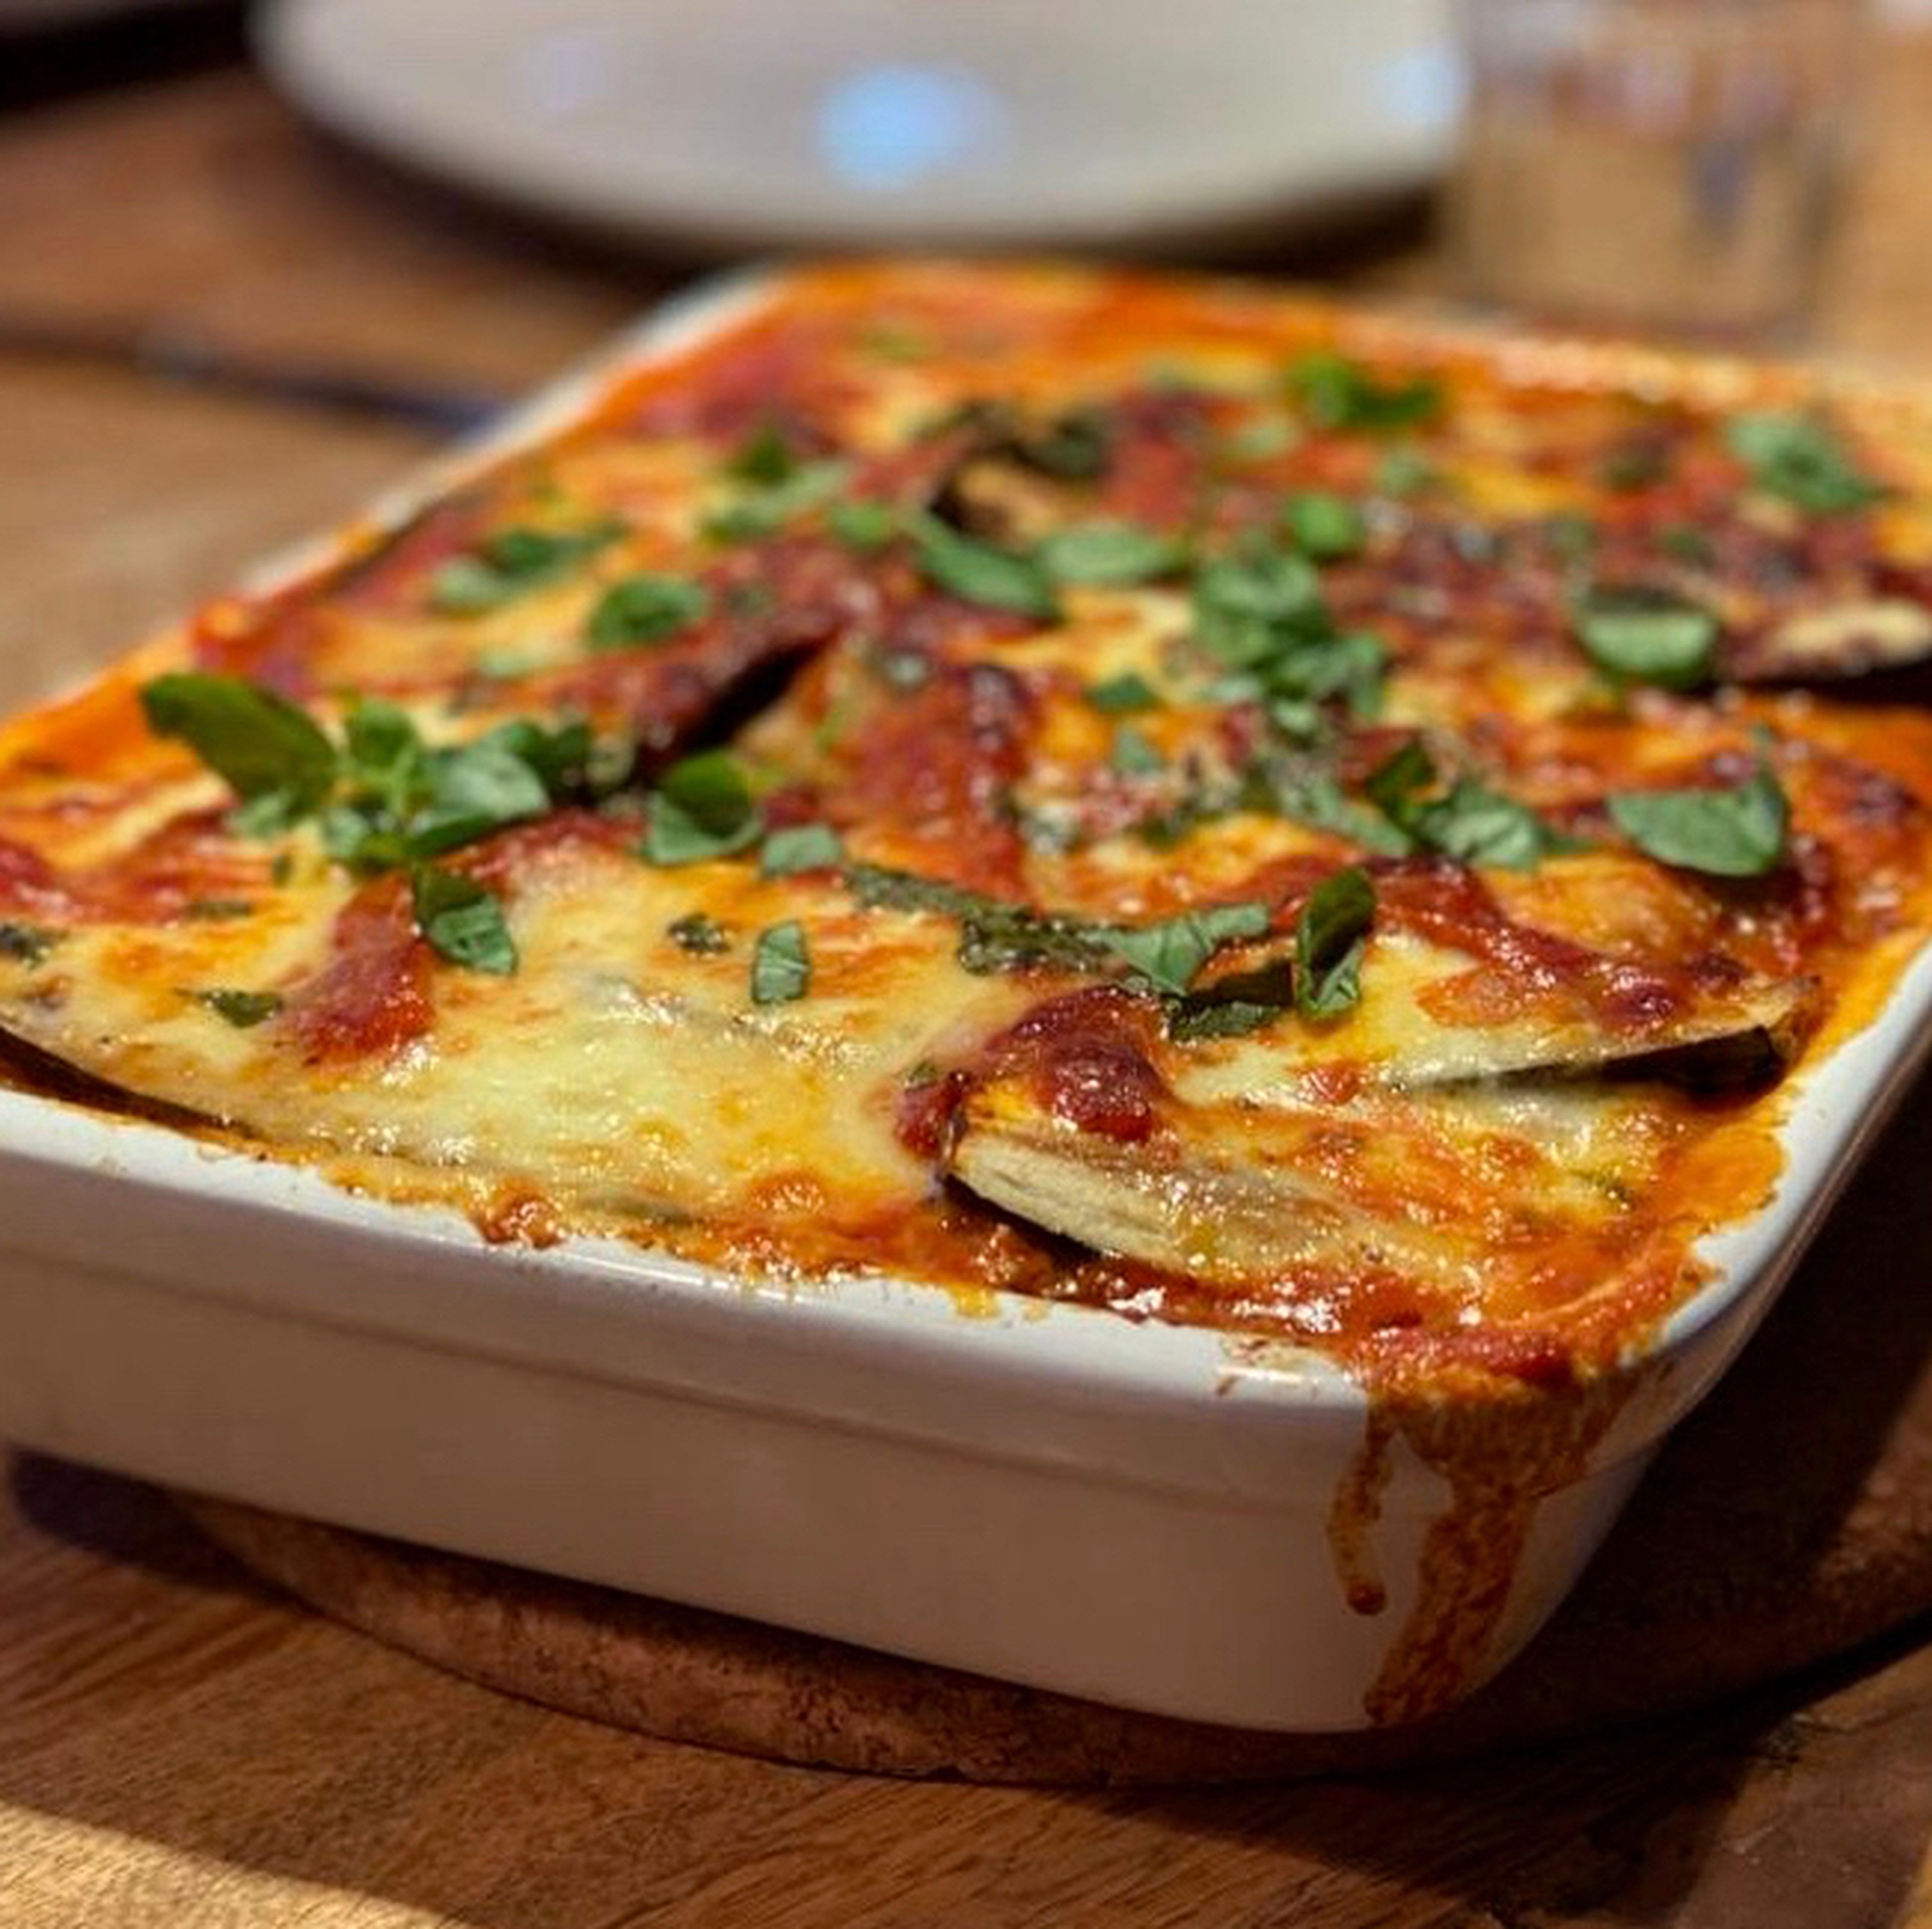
{"points": [[804, 846], [209, 910], [1192, 1020], [994, 935], [462, 920], [27, 943], [260, 745], [780, 964], [1643, 634], [646, 606], [1800, 459], [379, 738], [1475, 825], [510, 562], [1336, 392], [1297, 718], [1169, 954], [1248, 607], [1121, 695], [1470, 823], [473, 789], [466, 585], [1109, 554], [702, 808], [862, 525], [1353, 666], [978, 573], [362, 836], [1132, 755], [1236, 1003], [1324, 526], [242, 1009], [671, 838], [764, 457], [525, 555], [1331, 932], [1400, 779], [762, 512], [1319, 802], [1739, 832], [1077, 445], [563, 758], [702, 937]]}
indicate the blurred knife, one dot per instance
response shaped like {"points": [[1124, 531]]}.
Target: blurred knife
{"points": [[181, 356]]}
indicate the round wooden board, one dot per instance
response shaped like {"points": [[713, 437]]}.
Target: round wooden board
{"points": [[1789, 1520]]}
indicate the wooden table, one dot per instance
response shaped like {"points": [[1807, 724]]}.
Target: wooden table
{"points": [[179, 1748]]}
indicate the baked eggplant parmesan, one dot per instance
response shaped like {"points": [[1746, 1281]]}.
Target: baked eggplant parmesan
{"points": [[1146, 792]]}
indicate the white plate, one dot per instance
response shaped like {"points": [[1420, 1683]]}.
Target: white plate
{"points": [[735, 123]]}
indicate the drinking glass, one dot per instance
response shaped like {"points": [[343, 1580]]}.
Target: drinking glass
{"points": [[1667, 164]]}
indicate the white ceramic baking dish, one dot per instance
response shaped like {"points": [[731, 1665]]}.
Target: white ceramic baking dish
{"points": [[1048, 1494]]}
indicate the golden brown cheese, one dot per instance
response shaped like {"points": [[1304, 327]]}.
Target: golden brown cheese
{"points": [[1174, 820]]}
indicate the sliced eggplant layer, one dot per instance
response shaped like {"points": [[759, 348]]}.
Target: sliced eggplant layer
{"points": [[1181, 1213], [1733, 1040], [1846, 640], [1432, 1189]]}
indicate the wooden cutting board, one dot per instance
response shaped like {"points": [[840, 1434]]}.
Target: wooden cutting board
{"points": [[1789, 1520]]}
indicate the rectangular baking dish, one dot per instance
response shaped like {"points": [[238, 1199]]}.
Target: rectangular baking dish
{"points": [[1139, 1513]]}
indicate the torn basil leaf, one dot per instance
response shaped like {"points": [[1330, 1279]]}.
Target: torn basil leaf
{"points": [[509, 563], [1469, 822], [265, 749], [1169, 954], [1076, 445], [1336, 392], [27, 943], [1122, 695], [804, 846], [462, 920], [702, 808], [1318, 801], [1108, 554], [242, 1009], [1331, 932], [978, 573], [1132, 755], [472, 790], [862, 525], [1249, 606], [780, 964], [1643, 634], [764, 457], [646, 606], [764, 511], [1476, 825], [1800, 459], [1738, 831], [1324, 526]]}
